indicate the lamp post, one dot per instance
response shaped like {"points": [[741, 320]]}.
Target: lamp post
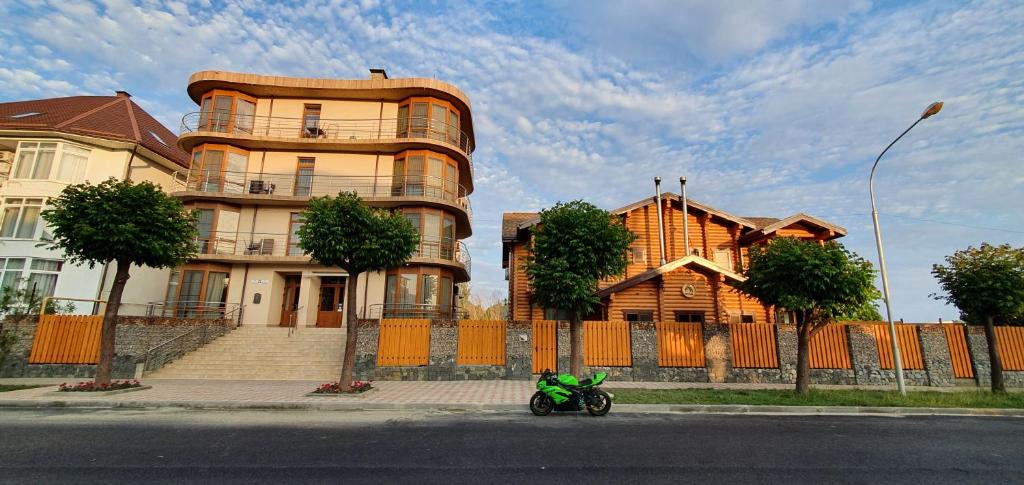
{"points": [[897, 363]]}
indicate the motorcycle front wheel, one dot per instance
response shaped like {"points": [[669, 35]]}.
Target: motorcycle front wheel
{"points": [[601, 403], [541, 404]]}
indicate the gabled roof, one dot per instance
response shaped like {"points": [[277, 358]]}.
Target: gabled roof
{"points": [[760, 222], [690, 203], [510, 222], [794, 219], [111, 117], [692, 261]]}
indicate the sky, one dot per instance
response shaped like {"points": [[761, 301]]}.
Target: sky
{"points": [[767, 107]]}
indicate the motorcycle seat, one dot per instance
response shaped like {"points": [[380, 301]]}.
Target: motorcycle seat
{"points": [[585, 382]]}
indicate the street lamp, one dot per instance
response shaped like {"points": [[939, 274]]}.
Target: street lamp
{"points": [[932, 109]]}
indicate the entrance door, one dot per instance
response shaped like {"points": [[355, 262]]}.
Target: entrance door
{"points": [[332, 301], [290, 306]]}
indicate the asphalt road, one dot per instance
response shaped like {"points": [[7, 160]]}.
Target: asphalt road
{"points": [[81, 446]]}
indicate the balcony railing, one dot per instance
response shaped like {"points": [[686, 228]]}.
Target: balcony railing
{"points": [[267, 244], [412, 310], [313, 185], [206, 310], [315, 128]]}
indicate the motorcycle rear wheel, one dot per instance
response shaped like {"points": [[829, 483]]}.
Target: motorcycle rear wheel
{"points": [[541, 404], [604, 406]]}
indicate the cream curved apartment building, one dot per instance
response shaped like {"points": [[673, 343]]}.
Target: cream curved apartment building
{"points": [[262, 146]]}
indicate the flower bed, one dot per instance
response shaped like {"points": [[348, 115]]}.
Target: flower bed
{"points": [[358, 387], [90, 386]]}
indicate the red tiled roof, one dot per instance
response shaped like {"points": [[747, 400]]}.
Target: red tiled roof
{"points": [[111, 117]]}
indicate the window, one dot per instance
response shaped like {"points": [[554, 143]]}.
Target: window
{"points": [[436, 230], [422, 293], [219, 168], [425, 173], [24, 115], [42, 275], [723, 258], [738, 317], [35, 159], [293, 234], [304, 177], [690, 317], [554, 314], [42, 278], [311, 121], [639, 315], [227, 112], [637, 254], [217, 228], [21, 218], [429, 118], [11, 272], [198, 291], [71, 167]]}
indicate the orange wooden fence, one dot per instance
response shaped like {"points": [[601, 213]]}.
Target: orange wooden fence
{"points": [[607, 344], [959, 354], [830, 349], [753, 345], [910, 346], [545, 345], [680, 344], [481, 342], [1010, 345], [67, 339], [403, 342]]}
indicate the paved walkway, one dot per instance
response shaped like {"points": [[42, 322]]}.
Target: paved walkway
{"points": [[241, 393]]}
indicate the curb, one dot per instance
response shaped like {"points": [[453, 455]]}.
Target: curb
{"points": [[511, 408]]}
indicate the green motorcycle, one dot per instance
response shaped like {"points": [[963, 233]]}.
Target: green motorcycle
{"points": [[562, 392]]}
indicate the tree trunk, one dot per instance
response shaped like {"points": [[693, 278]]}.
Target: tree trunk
{"points": [[803, 358], [351, 316], [993, 356], [575, 345], [109, 331]]}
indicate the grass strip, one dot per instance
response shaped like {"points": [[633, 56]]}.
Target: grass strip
{"points": [[820, 397], [18, 387]]}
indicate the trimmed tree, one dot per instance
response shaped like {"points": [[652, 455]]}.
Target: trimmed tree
{"points": [[575, 246], [818, 282], [125, 223], [346, 233], [985, 283]]}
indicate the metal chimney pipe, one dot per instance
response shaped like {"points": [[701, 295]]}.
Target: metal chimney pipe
{"points": [[661, 226], [686, 217]]}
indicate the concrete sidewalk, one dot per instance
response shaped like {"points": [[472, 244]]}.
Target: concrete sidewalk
{"points": [[499, 395]]}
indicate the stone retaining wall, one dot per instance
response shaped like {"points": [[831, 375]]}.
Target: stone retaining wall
{"points": [[864, 362], [135, 336]]}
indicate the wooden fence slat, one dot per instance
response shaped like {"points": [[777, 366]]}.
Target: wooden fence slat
{"points": [[680, 344], [607, 344], [544, 355], [959, 354], [1010, 345], [403, 342], [829, 348], [753, 345], [66, 339], [481, 342]]}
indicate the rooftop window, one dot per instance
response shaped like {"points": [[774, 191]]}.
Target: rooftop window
{"points": [[25, 115], [161, 140]]}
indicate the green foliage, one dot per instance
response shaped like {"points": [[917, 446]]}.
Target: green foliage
{"points": [[18, 302], [344, 232], [984, 282], [825, 281], [7, 341], [121, 221], [574, 247], [867, 312]]}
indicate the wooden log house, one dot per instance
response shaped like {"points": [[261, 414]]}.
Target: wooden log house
{"points": [[695, 287]]}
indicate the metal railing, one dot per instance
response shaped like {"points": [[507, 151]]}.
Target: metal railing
{"points": [[293, 319], [202, 310], [314, 185], [175, 347], [413, 310], [316, 128], [239, 243]]}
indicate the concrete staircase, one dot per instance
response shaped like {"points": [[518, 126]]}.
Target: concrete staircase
{"points": [[263, 353]]}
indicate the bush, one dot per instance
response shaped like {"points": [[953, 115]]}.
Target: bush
{"points": [[90, 386], [336, 388]]}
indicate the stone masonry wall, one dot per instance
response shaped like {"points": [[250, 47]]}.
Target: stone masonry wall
{"points": [[135, 336]]}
